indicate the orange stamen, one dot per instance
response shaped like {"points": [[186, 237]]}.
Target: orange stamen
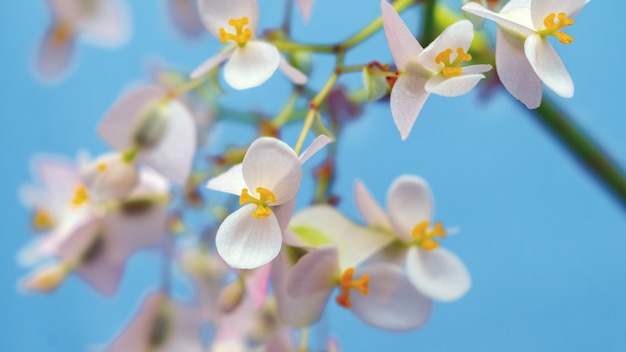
{"points": [[553, 28], [241, 35], [452, 69], [347, 283], [424, 238], [263, 207]]}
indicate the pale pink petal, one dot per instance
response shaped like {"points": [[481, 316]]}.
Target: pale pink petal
{"points": [[150, 183], [283, 213], [409, 202], [279, 341], [186, 17], [369, 208], [295, 75], [454, 86], [245, 242], [212, 62], [117, 128], [110, 177], [257, 283], [230, 181], [407, 98], [251, 65], [173, 155], [402, 43], [438, 274], [473, 69], [135, 335], [273, 165], [59, 177], [457, 35], [306, 6], [54, 55], [392, 302], [318, 143], [514, 70], [548, 65], [314, 273], [108, 24], [216, 13], [541, 9], [517, 20]]}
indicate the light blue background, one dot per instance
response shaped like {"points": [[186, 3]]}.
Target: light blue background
{"points": [[542, 238]]}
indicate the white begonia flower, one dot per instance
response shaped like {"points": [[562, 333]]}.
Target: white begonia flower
{"points": [[379, 293], [153, 129], [524, 55], [250, 61], [110, 177], [267, 182], [434, 271], [436, 69]]}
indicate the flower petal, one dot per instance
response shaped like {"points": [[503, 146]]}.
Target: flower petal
{"points": [[306, 6], [457, 35], [283, 214], [107, 25], [392, 302], [212, 62], [230, 181], [409, 202], [273, 165], [295, 75], [517, 19], [454, 86], [257, 283], [548, 65], [315, 272], [185, 15], [54, 55], [438, 274], [134, 336], [318, 143], [540, 9], [407, 98], [514, 70], [402, 43], [245, 242], [251, 65], [216, 13], [369, 208], [59, 177]]}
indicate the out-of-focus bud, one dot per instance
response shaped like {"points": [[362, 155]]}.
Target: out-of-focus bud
{"points": [[375, 85], [302, 60], [231, 296], [110, 177], [151, 126], [46, 279]]}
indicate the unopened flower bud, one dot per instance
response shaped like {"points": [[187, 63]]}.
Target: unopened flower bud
{"points": [[375, 85], [151, 126], [110, 177], [231, 296]]}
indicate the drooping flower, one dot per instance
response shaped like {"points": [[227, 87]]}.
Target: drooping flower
{"points": [[524, 55], [436, 69], [153, 129], [250, 61], [434, 271], [267, 182]]}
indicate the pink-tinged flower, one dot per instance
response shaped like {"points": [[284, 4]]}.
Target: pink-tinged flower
{"points": [[436, 69], [524, 55], [103, 23], [249, 61], [267, 182], [109, 177], [153, 129], [434, 271], [305, 6], [379, 293], [161, 325]]}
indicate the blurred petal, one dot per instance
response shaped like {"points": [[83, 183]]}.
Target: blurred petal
{"points": [[392, 302], [251, 65], [409, 202], [110, 177], [454, 86], [295, 75], [517, 20], [186, 17], [230, 181], [314, 273], [407, 98], [403, 45], [245, 242], [212, 62], [108, 24], [368, 207], [548, 65], [457, 35], [306, 6], [216, 13], [55, 54], [135, 335], [318, 143], [257, 283], [59, 177], [438, 274]]}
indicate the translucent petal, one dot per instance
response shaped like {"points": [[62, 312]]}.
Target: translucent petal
{"points": [[134, 337], [407, 98], [318, 143], [457, 35], [315, 272], [454, 86], [59, 178], [295, 75], [369, 208], [108, 25], [230, 181], [403, 45], [438, 274], [216, 13], [257, 283], [251, 65], [54, 55], [409, 202], [212, 62], [548, 65], [517, 20]]}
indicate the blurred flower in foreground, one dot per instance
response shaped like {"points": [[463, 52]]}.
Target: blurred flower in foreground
{"points": [[103, 23], [429, 70], [250, 61], [524, 56]]}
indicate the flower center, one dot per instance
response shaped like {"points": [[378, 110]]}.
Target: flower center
{"points": [[553, 27], [452, 69], [346, 283], [80, 196], [241, 35], [263, 207], [424, 237], [42, 220], [62, 32]]}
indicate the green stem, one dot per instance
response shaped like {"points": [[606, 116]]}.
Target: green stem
{"points": [[587, 150], [428, 25]]}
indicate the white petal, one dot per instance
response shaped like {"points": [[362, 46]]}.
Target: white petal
{"points": [[409, 202], [108, 24], [514, 70], [318, 143], [315, 272], [541, 9], [518, 22], [251, 65], [54, 56], [109, 177], [283, 214], [476, 69], [173, 155], [438, 274], [230, 181], [457, 35], [295, 75], [403, 45], [369, 208], [548, 65], [150, 183], [212, 62], [118, 125], [407, 98], [245, 242], [59, 177], [273, 165], [454, 86], [392, 302], [216, 13], [305, 8], [514, 4]]}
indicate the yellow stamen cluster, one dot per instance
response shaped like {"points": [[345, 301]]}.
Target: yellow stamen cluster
{"points": [[553, 27], [42, 220], [347, 283], [452, 69], [241, 35], [80, 196], [424, 237], [263, 202]]}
